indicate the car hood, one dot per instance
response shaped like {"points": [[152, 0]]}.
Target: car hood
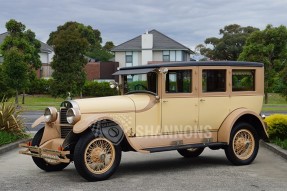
{"points": [[114, 104]]}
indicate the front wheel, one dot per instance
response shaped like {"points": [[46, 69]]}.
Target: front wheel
{"points": [[190, 153], [46, 164], [96, 158], [243, 145]]}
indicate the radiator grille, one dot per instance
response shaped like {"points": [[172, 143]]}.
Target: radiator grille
{"points": [[63, 120]]}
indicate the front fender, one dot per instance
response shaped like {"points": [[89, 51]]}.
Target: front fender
{"points": [[126, 121], [233, 117], [38, 121]]}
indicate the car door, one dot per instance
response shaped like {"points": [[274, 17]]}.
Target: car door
{"points": [[179, 101], [214, 100]]}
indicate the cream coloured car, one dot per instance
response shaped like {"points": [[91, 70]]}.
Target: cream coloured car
{"points": [[184, 106]]}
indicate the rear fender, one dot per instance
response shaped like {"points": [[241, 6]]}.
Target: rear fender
{"points": [[243, 115]]}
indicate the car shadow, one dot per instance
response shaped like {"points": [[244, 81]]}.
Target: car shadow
{"points": [[157, 165], [166, 165]]}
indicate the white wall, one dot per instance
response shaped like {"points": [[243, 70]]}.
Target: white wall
{"points": [[121, 58]]}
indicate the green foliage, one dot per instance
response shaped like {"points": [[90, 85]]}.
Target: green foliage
{"points": [[269, 47], [15, 69], [5, 90], [98, 89], [101, 53], [277, 126], [280, 142], [8, 137], [40, 86], [10, 120], [20, 51], [283, 82], [71, 41], [229, 46]]}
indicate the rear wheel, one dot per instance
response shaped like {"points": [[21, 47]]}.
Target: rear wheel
{"points": [[190, 153], [46, 164], [96, 158], [243, 145]]}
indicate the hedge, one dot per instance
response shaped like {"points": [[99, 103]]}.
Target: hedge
{"points": [[277, 126]]}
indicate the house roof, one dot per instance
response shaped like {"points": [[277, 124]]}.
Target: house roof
{"points": [[44, 47], [160, 42]]}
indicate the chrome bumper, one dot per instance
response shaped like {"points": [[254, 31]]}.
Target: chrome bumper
{"points": [[50, 154]]}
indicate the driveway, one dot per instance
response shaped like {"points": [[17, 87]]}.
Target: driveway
{"points": [[159, 171]]}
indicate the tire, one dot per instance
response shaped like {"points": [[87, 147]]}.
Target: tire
{"points": [[45, 164], [96, 158], [243, 145], [190, 153]]}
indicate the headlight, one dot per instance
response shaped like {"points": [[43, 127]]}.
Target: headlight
{"points": [[73, 115], [50, 114]]}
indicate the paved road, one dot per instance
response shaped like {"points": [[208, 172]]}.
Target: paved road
{"points": [[29, 118], [159, 171]]}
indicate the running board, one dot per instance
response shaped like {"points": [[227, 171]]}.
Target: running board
{"points": [[170, 148]]}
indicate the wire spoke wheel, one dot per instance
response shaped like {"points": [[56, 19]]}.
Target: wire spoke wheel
{"points": [[99, 155], [243, 144]]}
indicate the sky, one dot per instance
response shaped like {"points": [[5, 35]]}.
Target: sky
{"points": [[189, 22]]}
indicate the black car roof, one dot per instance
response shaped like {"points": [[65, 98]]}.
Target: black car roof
{"points": [[196, 63]]}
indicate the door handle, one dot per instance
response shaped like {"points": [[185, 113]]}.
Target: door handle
{"points": [[164, 101], [202, 100]]}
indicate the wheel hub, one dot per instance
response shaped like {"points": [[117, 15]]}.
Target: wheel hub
{"points": [[97, 155]]}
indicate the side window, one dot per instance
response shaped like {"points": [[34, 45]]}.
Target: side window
{"points": [[213, 80], [243, 80], [178, 81]]}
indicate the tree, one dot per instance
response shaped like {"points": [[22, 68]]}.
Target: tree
{"points": [[101, 53], [268, 46], [20, 51], [229, 46], [71, 41]]}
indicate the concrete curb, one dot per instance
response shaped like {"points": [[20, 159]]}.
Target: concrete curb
{"points": [[275, 149], [11, 146]]}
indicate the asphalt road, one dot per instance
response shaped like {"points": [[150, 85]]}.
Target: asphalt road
{"points": [[159, 171]]}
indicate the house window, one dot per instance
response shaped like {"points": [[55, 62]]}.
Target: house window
{"points": [[213, 80], [172, 55], [165, 57], [129, 58]]}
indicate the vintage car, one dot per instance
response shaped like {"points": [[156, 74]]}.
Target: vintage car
{"points": [[184, 106]]}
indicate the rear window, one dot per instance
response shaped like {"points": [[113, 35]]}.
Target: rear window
{"points": [[243, 80]]}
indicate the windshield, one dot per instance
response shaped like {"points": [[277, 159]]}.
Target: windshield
{"points": [[140, 82]]}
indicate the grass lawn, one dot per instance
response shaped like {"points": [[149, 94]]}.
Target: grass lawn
{"points": [[276, 103], [6, 137], [39, 102]]}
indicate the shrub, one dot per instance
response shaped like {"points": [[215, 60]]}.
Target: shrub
{"points": [[39, 86], [10, 121], [98, 89], [277, 126]]}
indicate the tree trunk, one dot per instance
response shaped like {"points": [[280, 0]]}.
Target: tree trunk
{"points": [[266, 97], [23, 98]]}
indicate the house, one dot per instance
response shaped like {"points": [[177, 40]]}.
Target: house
{"points": [[151, 47], [46, 54], [101, 71]]}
